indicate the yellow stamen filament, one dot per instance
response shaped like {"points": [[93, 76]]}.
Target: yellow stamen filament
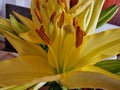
{"points": [[61, 20], [79, 36], [43, 35], [38, 15], [52, 19]]}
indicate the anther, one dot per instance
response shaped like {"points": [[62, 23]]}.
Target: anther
{"points": [[38, 15], [73, 3], [46, 1], [61, 20], [52, 19], [75, 23], [58, 1], [43, 35], [38, 4], [79, 36]]}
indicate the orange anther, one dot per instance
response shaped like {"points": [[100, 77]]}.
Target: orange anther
{"points": [[79, 36], [58, 1], [52, 19], [61, 20], [75, 23], [38, 4], [43, 35], [46, 1], [38, 15]]}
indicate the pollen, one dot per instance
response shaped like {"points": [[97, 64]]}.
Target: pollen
{"points": [[38, 15], [79, 36], [43, 35]]}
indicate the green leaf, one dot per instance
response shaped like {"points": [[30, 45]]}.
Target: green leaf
{"points": [[107, 14], [112, 66]]}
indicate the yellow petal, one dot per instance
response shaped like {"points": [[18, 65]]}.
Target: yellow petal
{"points": [[26, 21], [5, 25], [96, 69], [5, 22], [24, 47], [21, 70], [34, 17], [38, 80], [87, 79], [6, 87], [85, 16], [80, 7], [95, 16], [31, 36], [99, 46]]}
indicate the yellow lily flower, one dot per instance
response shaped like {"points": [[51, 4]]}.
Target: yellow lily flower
{"points": [[73, 48]]}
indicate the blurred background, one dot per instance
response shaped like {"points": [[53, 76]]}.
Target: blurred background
{"points": [[24, 3]]}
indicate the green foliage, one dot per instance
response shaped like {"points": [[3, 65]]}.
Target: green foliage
{"points": [[107, 14], [110, 65]]}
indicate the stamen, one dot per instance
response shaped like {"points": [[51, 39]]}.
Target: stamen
{"points": [[46, 1], [52, 19], [79, 36], [61, 20], [58, 1], [73, 3], [38, 4], [64, 1], [75, 23], [43, 35], [38, 15]]}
